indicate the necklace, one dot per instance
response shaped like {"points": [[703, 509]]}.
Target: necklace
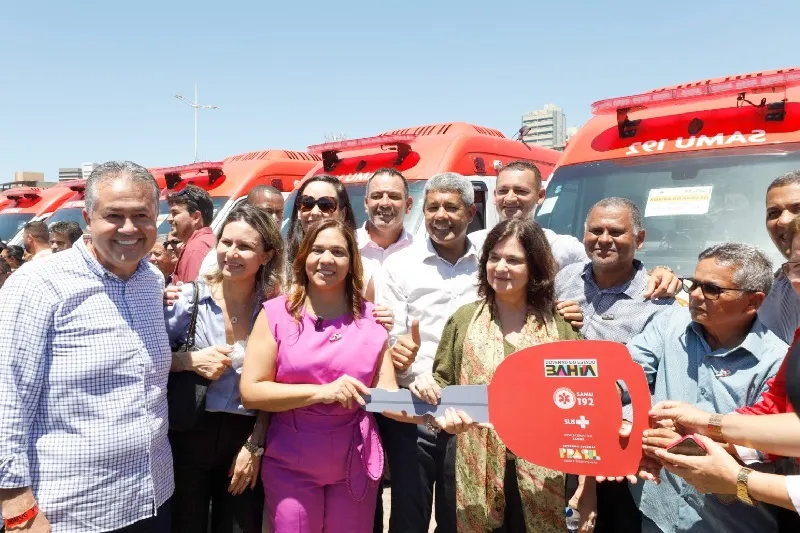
{"points": [[234, 318]]}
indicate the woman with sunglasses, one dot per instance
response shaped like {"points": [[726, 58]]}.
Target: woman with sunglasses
{"points": [[318, 198], [217, 458], [318, 351]]}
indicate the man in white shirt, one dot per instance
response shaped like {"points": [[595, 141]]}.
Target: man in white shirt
{"points": [[517, 193], [387, 203], [36, 239], [427, 282]]}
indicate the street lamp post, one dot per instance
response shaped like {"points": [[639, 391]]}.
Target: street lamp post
{"points": [[194, 105]]}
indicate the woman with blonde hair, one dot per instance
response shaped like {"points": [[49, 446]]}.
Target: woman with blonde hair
{"points": [[217, 447]]}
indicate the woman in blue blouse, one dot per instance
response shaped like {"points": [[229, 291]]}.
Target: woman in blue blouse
{"points": [[217, 461]]}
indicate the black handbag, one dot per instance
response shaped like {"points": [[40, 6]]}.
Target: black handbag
{"points": [[186, 391]]}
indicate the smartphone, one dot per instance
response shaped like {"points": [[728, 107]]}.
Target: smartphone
{"points": [[687, 445]]}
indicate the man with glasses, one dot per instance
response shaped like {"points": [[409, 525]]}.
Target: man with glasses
{"points": [[718, 356]]}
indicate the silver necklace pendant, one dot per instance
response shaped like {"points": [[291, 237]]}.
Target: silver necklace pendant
{"points": [[234, 320], [335, 337]]}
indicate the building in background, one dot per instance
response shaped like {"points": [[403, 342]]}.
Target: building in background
{"points": [[26, 175], [65, 174], [571, 131], [87, 168], [546, 127]]}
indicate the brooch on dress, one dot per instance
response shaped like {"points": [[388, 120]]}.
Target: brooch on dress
{"points": [[335, 337]]}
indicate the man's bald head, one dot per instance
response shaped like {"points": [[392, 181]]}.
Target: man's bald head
{"points": [[268, 199]]}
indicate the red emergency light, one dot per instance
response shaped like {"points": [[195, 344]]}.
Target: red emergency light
{"points": [[364, 142], [23, 193], [711, 89], [329, 151], [172, 175]]}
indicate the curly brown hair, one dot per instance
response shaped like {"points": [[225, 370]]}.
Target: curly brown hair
{"points": [[354, 283], [542, 267]]}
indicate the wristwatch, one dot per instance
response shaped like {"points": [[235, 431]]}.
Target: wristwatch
{"points": [[252, 448], [741, 487], [714, 428]]}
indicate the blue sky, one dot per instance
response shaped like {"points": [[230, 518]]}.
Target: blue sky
{"points": [[97, 82]]}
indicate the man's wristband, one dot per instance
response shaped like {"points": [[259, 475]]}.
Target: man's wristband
{"points": [[24, 518]]}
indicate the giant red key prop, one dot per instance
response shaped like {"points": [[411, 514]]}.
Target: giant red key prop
{"points": [[555, 405]]}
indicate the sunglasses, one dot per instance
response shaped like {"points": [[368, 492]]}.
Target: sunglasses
{"points": [[326, 204], [709, 290]]}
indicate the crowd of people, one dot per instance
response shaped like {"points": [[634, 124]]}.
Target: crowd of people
{"points": [[215, 382]]}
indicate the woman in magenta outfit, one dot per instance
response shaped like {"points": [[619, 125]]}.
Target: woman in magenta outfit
{"points": [[312, 355]]}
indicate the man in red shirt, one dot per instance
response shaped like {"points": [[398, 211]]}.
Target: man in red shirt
{"points": [[190, 215]]}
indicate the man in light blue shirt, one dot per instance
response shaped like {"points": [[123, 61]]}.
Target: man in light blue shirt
{"points": [[718, 356], [84, 360]]}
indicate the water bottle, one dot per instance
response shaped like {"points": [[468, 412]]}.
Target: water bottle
{"points": [[573, 519]]}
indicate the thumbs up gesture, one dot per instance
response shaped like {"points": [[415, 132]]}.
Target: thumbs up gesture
{"points": [[404, 351]]}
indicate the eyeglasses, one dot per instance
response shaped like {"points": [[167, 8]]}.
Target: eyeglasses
{"points": [[709, 290], [326, 204]]}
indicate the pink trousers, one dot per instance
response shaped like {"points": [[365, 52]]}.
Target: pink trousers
{"points": [[321, 472]]}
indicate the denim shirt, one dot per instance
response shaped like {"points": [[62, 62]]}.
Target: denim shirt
{"points": [[680, 365], [223, 393]]}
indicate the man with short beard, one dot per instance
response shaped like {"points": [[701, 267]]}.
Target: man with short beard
{"points": [[387, 203]]}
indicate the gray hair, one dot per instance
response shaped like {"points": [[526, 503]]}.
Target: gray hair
{"points": [[112, 170], [790, 178], [616, 202], [752, 267], [451, 182]]}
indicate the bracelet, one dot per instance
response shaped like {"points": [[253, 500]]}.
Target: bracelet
{"points": [[24, 518], [429, 425], [714, 427]]}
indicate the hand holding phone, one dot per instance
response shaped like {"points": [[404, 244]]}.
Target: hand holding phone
{"points": [[687, 445]]}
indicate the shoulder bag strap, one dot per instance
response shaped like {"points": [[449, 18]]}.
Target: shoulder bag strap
{"points": [[193, 321]]}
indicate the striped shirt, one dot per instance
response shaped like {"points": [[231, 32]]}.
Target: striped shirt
{"points": [[613, 314], [780, 311], [84, 359], [680, 365]]}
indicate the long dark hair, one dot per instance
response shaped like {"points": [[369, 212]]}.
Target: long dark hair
{"points": [[354, 284], [269, 278], [295, 234], [542, 267]]}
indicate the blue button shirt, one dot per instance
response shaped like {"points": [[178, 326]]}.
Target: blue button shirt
{"points": [[84, 360], [780, 311], [223, 393], [680, 365], [613, 314]]}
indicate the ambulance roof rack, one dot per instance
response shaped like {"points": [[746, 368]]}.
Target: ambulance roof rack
{"points": [[330, 151], [772, 81], [172, 175]]}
